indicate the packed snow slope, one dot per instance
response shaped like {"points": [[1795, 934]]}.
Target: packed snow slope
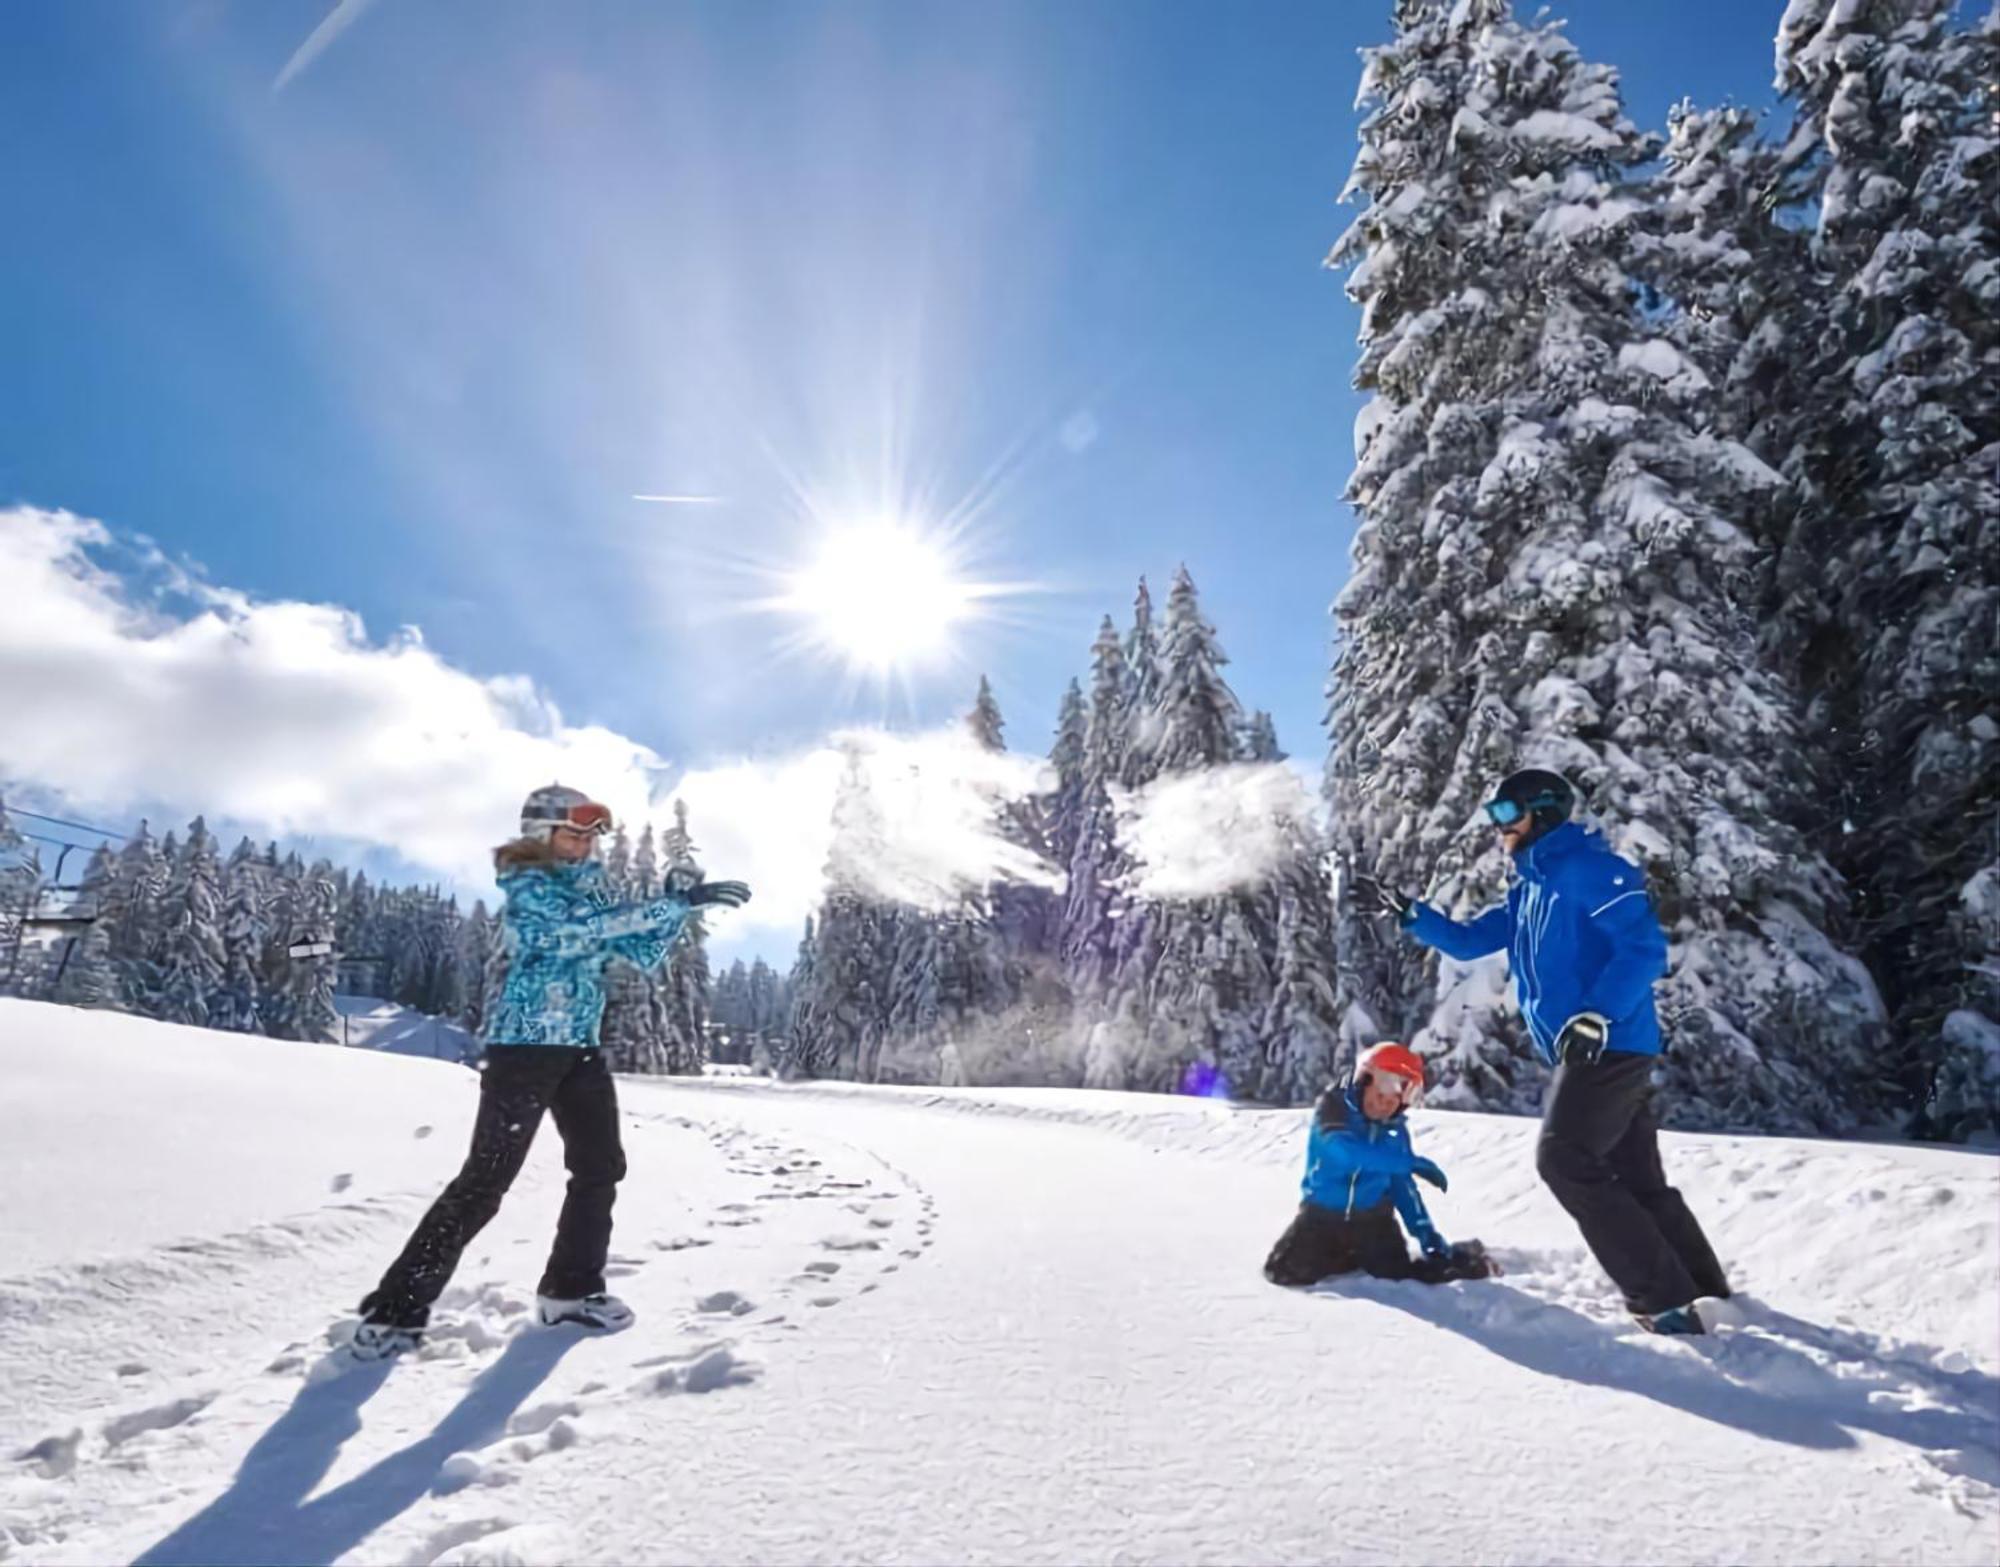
{"points": [[899, 1326]]}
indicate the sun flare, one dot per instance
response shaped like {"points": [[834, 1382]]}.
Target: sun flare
{"points": [[883, 594]]}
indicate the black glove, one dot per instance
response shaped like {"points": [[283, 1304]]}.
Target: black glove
{"points": [[1582, 1040], [730, 894], [1374, 896]]}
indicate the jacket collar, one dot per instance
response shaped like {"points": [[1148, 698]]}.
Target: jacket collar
{"points": [[1533, 862]]}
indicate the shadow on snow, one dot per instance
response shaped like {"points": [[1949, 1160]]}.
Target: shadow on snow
{"points": [[1768, 1382], [264, 1515]]}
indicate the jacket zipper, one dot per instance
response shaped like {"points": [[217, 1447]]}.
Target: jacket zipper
{"points": [[1354, 1178]]}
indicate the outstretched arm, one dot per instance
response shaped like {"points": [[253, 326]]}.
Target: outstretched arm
{"points": [[545, 918], [1348, 1150], [1464, 940], [1416, 1217]]}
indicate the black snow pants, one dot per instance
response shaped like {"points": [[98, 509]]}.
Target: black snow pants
{"points": [[518, 1084], [1320, 1243], [1600, 1154]]}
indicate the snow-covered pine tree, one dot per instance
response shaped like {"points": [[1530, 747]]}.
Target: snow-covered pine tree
{"points": [[1021, 920], [1301, 1024], [915, 1000], [1137, 764], [20, 881], [309, 1009], [234, 1003], [138, 888], [89, 977], [1260, 739], [683, 997], [285, 879], [842, 1016], [626, 1026], [795, 1044], [1196, 970], [1895, 609], [769, 1012], [1065, 806], [1552, 569], [477, 938], [192, 957], [1091, 907]]}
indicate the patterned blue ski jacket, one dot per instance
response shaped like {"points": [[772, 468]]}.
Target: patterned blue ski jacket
{"points": [[1580, 935], [560, 928], [1353, 1163]]}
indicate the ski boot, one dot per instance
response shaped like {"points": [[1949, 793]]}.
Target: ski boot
{"points": [[383, 1341], [600, 1312], [1674, 1320]]}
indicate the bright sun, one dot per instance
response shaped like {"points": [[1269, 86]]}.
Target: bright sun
{"points": [[882, 595]]}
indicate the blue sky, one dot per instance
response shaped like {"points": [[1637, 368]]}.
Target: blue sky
{"points": [[406, 335]]}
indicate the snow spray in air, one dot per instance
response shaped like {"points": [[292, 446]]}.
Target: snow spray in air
{"points": [[1222, 829], [925, 819]]}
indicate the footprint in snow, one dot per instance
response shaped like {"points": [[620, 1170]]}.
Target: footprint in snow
{"points": [[824, 1269], [159, 1417], [850, 1243], [422, 1132], [340, 1182], [707, 1371], [53, 1456], [724, 1302], [682, 1243]]}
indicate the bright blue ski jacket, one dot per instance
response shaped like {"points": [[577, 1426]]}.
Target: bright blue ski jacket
{"points": [[1580, 935], [1353, 1163], [560, 928]]}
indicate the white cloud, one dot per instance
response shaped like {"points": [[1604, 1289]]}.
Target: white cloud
{"points": [[337, 21], [144, 686]]}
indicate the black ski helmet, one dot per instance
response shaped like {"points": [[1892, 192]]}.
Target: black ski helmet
{"points": [[1544, 797]]}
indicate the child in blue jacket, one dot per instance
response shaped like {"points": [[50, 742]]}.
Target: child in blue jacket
{"points": [[1361, 1175]]}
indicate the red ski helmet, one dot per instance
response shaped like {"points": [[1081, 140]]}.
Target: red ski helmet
{"points": [[1396, 1068]]}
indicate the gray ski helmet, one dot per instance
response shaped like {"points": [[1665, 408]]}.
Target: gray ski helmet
{"points": [[557, 805], [1534, 792]]}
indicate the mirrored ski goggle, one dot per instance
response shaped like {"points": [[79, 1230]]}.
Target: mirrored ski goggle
{"points": [[1504, 813], [588, 817]]}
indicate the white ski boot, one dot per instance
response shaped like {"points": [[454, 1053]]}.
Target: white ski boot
{"points": [[602, 1313]]}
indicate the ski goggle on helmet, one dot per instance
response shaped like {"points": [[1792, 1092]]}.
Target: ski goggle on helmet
{"points": [[556, 806], [1527, 792], [1395, 1069]]}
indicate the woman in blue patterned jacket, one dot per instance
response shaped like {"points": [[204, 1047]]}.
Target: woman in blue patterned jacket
{"points": [[559, 928]]}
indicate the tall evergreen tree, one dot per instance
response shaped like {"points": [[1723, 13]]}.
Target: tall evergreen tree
{"points": [[192, 958], [309, 1009], [20, 881], [1195, 970], [1092, 904], [1552, 569], [1137, 764], [683, 994], [89, 976], [1065, 808], [234, 1003], [1895, 608], [796, 1046]]}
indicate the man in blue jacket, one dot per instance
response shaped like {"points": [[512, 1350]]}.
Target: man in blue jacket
{"points": [[1585, 948]]}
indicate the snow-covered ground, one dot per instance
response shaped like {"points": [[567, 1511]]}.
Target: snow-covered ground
{"points": [[370, 1024], [939, 1326]]}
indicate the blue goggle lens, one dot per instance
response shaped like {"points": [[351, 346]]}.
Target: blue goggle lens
{"points": [[1504, 813]]}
